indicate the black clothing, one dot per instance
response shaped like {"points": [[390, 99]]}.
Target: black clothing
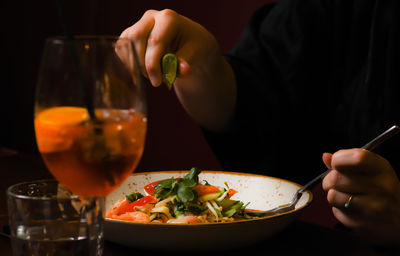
{"points": [[313, 76]]}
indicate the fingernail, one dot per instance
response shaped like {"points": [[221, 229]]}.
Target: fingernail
{"points": [[184, 68], [155, 81]]}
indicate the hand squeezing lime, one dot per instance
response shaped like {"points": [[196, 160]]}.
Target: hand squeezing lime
{"points": [[169, 69]]}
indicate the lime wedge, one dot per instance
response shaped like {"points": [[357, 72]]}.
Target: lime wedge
{"points": [[169, 69]]}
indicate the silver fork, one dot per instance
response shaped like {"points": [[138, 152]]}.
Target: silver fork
{"points": [[291, 205]]}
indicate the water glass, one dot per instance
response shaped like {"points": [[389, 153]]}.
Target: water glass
{"points": [[47, 219]]}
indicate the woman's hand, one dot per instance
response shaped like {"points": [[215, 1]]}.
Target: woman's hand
{"points": [[205, 84], [374, 208], [160, 32]]}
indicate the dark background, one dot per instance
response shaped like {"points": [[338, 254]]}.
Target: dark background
{"points": [[173, 141]]}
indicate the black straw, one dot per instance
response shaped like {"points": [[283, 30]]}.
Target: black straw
{"points": [[88, 99]]}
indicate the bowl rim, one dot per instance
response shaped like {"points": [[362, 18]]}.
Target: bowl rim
{"points": [[236, 222]]}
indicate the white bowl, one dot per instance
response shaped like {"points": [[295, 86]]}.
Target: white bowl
{"points": [[262, 192]]}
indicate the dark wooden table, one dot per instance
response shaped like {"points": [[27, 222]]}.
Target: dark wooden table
{"points": [[300, 238]]}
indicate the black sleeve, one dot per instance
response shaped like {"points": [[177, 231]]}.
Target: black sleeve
{"points": [[279, 64]]}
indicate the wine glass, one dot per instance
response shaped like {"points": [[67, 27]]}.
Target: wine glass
{"points": [[90, 116]]}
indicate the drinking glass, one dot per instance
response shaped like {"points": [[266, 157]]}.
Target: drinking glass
{"points": [[45, 219], [90, 113]]}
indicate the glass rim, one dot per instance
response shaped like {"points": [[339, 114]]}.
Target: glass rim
{"points": [[41, 198]]}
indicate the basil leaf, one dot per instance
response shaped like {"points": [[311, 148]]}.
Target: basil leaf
{"points": [[134, 196], [165, 187], [180, 187], [184, 193], [188, 183], [193, 174], [168, 184]]}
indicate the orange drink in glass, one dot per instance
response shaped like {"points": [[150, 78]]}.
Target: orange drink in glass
{"points": [[90, 118]]}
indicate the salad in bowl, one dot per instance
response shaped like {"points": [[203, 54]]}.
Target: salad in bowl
{"points": [[186, 200]]}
